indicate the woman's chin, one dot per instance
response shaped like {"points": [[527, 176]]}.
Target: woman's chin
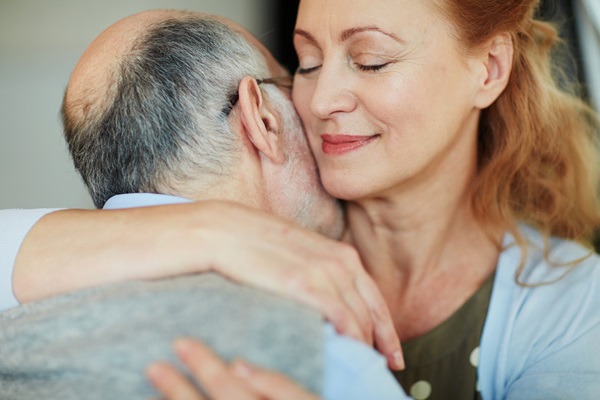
{"points": [[347, 190]]}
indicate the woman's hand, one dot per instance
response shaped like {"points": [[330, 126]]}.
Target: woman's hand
{"points": [[221, 381], [248, 246], [270, 253]]}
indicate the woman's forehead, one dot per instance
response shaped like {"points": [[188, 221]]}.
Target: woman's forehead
{"points": [[414, 21], [388, 15]]}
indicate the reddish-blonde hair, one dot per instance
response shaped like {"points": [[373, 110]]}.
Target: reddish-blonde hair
{"points": [[538, 145]]}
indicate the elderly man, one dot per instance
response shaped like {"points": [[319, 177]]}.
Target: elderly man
{"points": [[169, 107]]}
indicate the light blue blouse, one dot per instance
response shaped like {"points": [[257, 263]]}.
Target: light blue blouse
{"points": [[543, 342]]}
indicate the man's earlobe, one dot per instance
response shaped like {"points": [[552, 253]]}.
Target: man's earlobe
{"points": [[259, 122], [498, 67]]}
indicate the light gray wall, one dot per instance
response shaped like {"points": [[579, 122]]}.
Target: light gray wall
{"points": [[40, 43], [588, 17]]}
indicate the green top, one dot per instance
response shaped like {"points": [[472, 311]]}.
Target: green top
{"points": [[442, 364]]}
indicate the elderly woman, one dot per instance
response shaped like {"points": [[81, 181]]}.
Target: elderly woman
{"points": [[471, 189]]}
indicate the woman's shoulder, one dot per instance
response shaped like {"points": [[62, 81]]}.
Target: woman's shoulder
{"points": [[550, 261], [544, 318], [553, 300]]}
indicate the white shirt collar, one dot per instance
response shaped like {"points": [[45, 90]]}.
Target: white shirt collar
{"points": [[131, 200]]}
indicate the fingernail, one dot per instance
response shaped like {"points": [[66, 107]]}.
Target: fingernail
{"points": [[242, 369], [398, 360]]}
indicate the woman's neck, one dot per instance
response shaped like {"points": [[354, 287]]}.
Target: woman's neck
{"points": [[425, 250]]}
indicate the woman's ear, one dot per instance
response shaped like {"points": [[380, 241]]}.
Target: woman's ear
{"points": [[497, 61], [259, 121]]}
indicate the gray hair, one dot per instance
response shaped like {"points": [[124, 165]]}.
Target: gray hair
{"points": [[166, 119]]}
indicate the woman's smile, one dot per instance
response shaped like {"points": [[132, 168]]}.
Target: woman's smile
{"points": [[337, 145]]}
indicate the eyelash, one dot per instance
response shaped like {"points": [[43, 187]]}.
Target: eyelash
{"points": [[372, 68], [306, 71], [365, 68]]}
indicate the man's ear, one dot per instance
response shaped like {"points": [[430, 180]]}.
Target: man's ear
{"points": [[259, 122], [497, 57]]}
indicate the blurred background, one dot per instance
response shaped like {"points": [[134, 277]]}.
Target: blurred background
{"points": [[41, 41]]}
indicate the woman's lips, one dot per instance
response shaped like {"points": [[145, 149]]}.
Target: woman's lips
{"points": [[336, 145]]}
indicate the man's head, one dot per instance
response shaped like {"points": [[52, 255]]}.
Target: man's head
{"points": [[168, 102]]}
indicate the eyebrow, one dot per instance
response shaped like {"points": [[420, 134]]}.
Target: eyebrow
{"points": [[306, 35], [348, 33]]}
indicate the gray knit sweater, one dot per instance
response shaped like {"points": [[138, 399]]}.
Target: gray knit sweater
{"points": [[96, 343]]}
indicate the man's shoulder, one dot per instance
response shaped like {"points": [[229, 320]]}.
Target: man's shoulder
{"points": [[110, 334], [202, 293]]}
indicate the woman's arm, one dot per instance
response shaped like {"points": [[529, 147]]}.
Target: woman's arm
{"points": [[14, 226], [72, 249]]}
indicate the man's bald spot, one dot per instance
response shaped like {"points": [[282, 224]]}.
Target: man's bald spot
{"points": [[96, 75]]}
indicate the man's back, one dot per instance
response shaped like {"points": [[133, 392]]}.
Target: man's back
{"points": [[95, 344]]}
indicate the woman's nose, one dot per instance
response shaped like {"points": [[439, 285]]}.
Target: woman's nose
{"points": [[333, 94]]}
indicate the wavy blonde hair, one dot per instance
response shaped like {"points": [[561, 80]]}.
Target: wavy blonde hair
{"points": [[538, 144]]}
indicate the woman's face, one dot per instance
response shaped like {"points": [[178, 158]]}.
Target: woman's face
{"points": [[386, 99]]}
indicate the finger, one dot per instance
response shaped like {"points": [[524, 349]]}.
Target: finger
{"points": [[172, 384], [345, 278], [333, 309], [314, 288], [386, 337], [269, 384], [329, 288], [361, 313], [212, 372], [280, 266]]}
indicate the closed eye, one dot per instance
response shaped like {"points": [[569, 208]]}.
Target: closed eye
{"points": [[372, 68], [306, 71]]}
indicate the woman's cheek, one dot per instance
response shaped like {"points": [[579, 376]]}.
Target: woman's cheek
{"points": [[301, 96]]}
